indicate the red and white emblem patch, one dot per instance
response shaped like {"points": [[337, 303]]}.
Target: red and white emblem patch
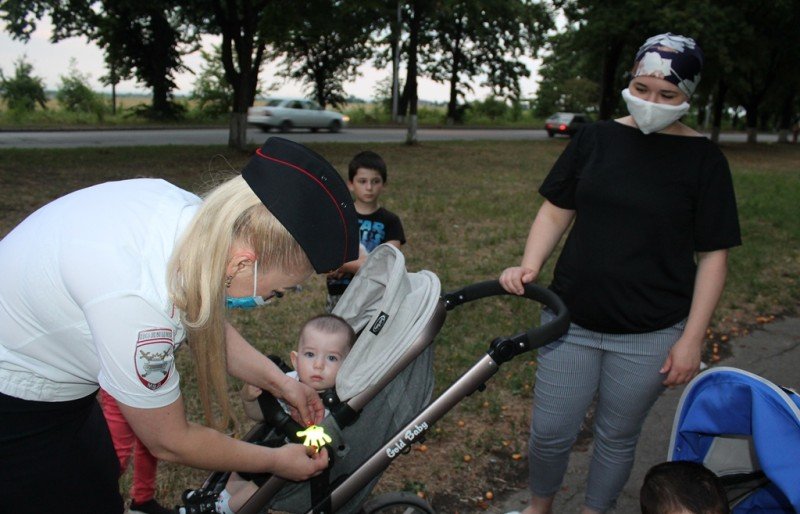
{"points": [[154, 356]]}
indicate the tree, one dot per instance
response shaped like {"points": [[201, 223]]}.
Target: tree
{"points": [[23, 90], [212, 92], [607, 34], [142, 38], [749, 61], [322, 43], [563, 85], [484, 38], [243, 27], [147, 39], [115, 74], [769, 65], [418, 11], [603, 33], [787, 109]]}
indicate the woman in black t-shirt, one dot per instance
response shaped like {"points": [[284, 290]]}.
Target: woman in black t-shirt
{"points": [[653, 215]]}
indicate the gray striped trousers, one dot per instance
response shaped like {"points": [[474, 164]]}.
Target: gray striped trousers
{"points": [[623, 371]]}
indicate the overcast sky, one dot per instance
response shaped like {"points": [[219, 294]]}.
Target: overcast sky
{"points": [[51, 61]]}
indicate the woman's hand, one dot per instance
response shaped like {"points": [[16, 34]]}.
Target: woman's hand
{"points": [[683, 362], [306, 407], [298, 462], [549, 225], [514, 279]]}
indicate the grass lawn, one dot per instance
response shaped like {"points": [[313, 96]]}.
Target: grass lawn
{"points": [[466, 208]]}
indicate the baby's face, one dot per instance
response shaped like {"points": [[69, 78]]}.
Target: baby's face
{"points": [[319, 356]]}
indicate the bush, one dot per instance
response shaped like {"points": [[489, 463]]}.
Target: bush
{"points": [[174, 111], [76, 96], [491, 108], [366, 114], [22, 91]]}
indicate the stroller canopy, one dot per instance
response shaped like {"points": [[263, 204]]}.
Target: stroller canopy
{"points": [[390, 366], [735, 422], [390, 308]]}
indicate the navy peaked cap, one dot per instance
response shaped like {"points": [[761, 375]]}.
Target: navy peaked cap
{"points": [[309, 197]]}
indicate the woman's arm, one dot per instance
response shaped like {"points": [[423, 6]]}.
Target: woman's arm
{"points": [[168, 436], [683, 361], [546, 231], [250, 365]]}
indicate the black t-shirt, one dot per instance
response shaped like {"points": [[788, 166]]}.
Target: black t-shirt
{"points": [[373, 229], [378, 227], [644, 205]]}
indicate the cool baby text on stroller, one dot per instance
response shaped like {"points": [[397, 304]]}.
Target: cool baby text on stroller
{"points": [[408, 438]]}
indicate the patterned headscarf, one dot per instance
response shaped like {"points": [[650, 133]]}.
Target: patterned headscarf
{"points": [[676, 59]]}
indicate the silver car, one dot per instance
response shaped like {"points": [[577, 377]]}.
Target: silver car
{"points": [[288, 113]]}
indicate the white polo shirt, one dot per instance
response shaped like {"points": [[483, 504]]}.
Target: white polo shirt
{"points": [[83, 295]]}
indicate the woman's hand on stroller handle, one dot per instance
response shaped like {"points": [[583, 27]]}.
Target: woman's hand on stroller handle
{"points": [[515, 278]]}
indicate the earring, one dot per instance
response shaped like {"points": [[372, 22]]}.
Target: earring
{"points": [[228, 281]]}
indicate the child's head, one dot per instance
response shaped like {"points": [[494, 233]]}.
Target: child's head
{"points": [[368, 160], [682, 487], [367, 176], [324, 343]]}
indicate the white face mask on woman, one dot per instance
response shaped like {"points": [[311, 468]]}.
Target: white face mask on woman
{"points": [[651, 116]]}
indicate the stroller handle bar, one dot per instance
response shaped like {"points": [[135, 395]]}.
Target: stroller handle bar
{"points": [[502, 349], [535, 337]]}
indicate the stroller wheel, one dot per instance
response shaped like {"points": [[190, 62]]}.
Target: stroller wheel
{"points": [[397, 503]]}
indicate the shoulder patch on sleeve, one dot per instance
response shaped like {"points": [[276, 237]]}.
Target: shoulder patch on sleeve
{"points": [[154, 357]]}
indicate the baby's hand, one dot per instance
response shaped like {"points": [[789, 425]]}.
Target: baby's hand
{"points": [[250, 392]]}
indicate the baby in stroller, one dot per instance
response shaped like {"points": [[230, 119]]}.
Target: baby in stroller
{"points": [[388, 376], [323, 344]]}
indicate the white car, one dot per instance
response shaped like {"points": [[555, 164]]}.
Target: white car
{"points": [[288, 113]]}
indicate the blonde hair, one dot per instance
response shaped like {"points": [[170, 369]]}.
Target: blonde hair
{"points": [[230, 213]]}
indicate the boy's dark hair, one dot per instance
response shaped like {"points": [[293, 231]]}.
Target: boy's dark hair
{"points": [[366, 159], [331, 324], [682, 485]]}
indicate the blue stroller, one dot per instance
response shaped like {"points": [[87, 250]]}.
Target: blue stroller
{"points": [[747, 431]]}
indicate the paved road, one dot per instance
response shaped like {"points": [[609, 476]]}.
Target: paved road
{"points": [[219, 136]]}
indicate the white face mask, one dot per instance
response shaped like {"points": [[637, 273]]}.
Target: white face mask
{"points": [[651, 116]]}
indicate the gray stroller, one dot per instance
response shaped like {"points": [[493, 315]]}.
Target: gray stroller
{"points": [[381, 405]]}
